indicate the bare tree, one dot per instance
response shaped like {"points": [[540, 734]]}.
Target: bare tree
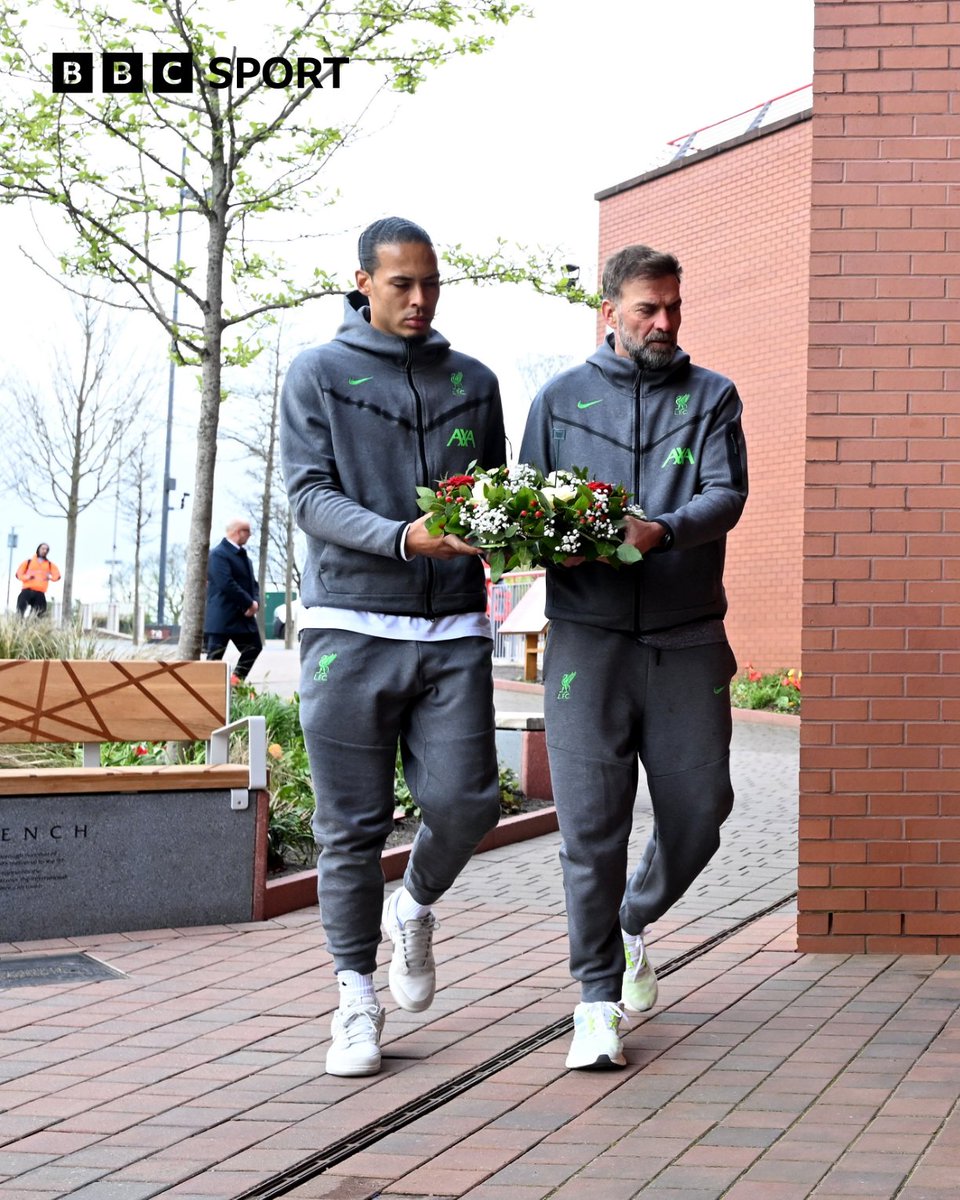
{"points": [[175, 583], [259, 438], [139, 480], [63, 446], [537, 369]]}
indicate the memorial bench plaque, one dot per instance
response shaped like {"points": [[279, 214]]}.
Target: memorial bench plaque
{"points": [[46, 970], [73, 865]]}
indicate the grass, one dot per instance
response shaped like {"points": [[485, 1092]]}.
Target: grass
{"points": [[38, 637]]}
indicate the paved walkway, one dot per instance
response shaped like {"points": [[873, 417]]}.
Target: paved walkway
{"points": [[761, 1075]]}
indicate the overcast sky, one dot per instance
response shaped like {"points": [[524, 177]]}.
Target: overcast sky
{"points": [[512, 143]]}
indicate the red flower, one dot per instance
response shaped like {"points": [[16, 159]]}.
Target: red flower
{"points": [[456, 481], [753, 675], [596, 486], [141, 750]]}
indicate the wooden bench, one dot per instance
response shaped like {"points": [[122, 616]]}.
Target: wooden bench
{"points": [[93, 849]]}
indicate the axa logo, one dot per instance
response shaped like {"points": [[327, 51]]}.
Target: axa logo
{"points": [[123, 71], [456, 384], [462, 437], [680, 456]]}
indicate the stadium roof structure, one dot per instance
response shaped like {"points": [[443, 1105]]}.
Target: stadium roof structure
{"points": [[783, 110]]}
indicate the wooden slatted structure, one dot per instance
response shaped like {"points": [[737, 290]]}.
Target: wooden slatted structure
{"points": [[93, 701], [44, 700]]}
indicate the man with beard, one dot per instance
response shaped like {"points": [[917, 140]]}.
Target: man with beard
{"points": [[637, 665]]}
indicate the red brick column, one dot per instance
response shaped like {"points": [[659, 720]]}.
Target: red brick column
{"points": [[880, 741]]}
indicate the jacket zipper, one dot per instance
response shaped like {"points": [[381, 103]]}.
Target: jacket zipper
{"points": [[425, 481], [637, 477]]}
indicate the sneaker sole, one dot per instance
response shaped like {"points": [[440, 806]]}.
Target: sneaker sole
{"points": [[603, 1063], [349, 1071], [635, 1011], [408, 1005]]}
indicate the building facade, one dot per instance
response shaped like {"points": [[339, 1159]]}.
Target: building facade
{"points": [[737, 216]]}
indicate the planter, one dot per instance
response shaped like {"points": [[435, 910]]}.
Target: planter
{"points": [[287, 893]]}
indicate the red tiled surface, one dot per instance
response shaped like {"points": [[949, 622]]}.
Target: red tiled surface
{"points": [[762, 1073]]}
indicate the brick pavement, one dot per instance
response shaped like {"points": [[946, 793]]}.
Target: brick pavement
{"points": [[761, 1075]]}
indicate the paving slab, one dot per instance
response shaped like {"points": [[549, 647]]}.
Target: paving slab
{"points": [[761, 1074]]}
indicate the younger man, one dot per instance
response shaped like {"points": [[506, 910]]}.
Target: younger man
{"points": [[396, 646]]}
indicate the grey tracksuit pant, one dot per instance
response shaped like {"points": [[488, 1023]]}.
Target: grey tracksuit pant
{"points": [[610, 703], [359, 696]]}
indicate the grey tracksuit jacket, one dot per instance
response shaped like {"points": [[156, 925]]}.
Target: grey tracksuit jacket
{"points": [[365, 419], [671, 437]]}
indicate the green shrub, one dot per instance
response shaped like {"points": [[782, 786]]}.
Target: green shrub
{"points": [[776, 691]]}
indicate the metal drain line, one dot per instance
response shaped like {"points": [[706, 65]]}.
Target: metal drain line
{"points": [[361, 1139]]}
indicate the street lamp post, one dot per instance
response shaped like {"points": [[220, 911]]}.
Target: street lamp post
{"points": [[12, 544]]}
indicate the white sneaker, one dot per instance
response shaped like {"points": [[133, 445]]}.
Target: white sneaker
{"points": [[639, 979], [355, 1049], [596, 1038], [413, 973]]}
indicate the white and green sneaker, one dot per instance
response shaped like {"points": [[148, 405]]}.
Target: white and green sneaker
{"points": [[639, 978], [596, 1038]]}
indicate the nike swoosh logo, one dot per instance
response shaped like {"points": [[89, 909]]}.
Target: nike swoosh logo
{"points": [[354, 382], [722, 688], [588, 403]]}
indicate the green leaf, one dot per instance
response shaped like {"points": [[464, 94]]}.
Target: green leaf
{"points": [[628, 554], [497, 563]]}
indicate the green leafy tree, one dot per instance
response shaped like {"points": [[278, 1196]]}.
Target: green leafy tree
{"points": [[119, 167]]}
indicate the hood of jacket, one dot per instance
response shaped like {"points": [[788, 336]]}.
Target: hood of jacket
{"points": [[356, 332], [621, 372]]}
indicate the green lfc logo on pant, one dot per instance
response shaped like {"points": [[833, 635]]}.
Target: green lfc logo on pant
{"points": [[323, 667], [565, 681]]}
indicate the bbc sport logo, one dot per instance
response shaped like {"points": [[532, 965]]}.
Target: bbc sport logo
{"points": [[173, 73]]}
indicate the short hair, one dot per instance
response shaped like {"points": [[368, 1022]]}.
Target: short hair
{"points": [[388, 231], [636, 262]]}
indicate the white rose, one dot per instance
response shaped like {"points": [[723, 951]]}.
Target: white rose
{"points": [[479, 494], [563, 493]]}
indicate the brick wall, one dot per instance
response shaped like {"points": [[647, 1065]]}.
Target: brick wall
{"points": [[739, 222], [880, 740]]}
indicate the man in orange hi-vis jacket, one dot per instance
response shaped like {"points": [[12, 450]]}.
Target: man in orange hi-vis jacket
{"points": [[35, 574]]}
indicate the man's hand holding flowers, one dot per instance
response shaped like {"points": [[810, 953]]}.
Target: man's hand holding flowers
{"points": [[521, 519]]}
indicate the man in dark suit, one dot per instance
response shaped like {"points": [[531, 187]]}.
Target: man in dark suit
{"points": [[232, 600]]}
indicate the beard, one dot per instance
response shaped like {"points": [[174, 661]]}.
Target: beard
{"points": [[654, 352]]}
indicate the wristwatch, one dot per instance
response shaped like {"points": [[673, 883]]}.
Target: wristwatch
{"points": [[666, 541]]}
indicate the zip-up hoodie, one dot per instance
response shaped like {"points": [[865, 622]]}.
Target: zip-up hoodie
{"points": [[365, 420], [673, 438]]}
